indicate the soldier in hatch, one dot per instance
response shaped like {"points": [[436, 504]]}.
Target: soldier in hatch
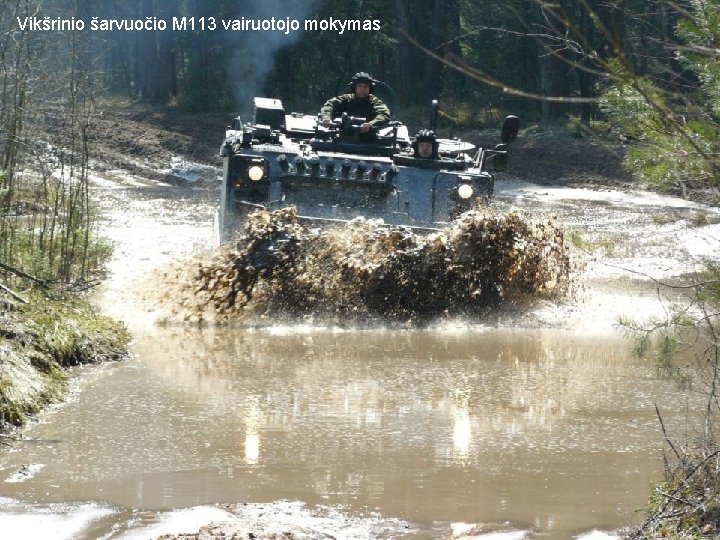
{"points": [[425, 145], [360, 103]]}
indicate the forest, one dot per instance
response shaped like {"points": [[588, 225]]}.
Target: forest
{"points": [[549, 58]]}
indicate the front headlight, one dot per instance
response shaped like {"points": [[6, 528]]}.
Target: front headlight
{"points": [[465, 191], [256, 173]]}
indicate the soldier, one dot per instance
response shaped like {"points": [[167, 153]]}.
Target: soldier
{"points": [[425, 145], [359, 103]]}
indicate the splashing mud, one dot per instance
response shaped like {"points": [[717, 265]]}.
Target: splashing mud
{"points": [[368, 271]]}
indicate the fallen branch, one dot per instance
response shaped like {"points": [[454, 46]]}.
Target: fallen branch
{"points": [[22, 274], [680, 500], [15, 295]]}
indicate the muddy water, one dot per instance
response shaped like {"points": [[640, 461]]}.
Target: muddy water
{"points": [[531, 425], [537, 428]]}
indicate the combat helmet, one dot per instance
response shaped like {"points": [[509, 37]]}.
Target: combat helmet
{"points": [[426, 135], [361, 77]]}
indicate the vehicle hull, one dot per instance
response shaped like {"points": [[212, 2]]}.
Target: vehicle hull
{"points": [[415, 196]]}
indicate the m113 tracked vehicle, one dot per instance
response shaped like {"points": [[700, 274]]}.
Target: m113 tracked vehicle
{"points": [[338, 173]]}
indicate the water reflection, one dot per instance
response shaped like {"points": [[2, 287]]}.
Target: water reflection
{"points": [[546, 429], [462, 432], [253, 422]]}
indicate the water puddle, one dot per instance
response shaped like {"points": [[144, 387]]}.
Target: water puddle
{"points": [[625, 234], [533, 429]]}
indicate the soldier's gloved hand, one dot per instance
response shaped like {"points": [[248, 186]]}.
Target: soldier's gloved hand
{"points": [[365, 127]]}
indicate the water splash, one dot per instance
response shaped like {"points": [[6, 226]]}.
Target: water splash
{"points": [[368, 271]]}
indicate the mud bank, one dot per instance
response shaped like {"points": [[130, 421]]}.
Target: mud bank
{"points": [[39, 342]]}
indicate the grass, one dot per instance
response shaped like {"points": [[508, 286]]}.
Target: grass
{"points": [[605, 245], [74, 333], [39, 341], [698, 218]]}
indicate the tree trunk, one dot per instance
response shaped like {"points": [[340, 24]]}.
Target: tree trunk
{"points": [[429, 23], [553, 68]]}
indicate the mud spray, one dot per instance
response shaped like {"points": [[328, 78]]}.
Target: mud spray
{"points": [[367, 271]]}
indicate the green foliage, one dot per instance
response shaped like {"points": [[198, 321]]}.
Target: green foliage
{"points": [[675, 134], [219, 69], [675, 137], [701, 36], [10, 412], [206, 72], [709, 293], [71, 252]]}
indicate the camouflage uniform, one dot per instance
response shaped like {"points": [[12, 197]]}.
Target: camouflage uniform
{"points": [[371, 108]]}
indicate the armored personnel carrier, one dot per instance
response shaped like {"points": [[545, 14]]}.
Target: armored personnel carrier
{"points": [[337, 173]]}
